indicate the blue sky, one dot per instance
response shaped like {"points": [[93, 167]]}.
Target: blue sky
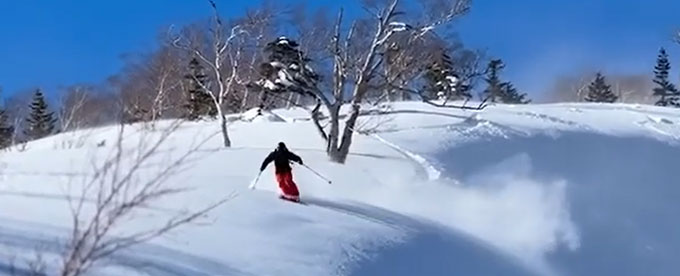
{"points": [[48, 43]]}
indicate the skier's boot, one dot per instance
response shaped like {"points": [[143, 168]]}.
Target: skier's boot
{"points": [[290, 198]]}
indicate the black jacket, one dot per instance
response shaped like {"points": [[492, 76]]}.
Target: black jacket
{"points": [[281, 158]]}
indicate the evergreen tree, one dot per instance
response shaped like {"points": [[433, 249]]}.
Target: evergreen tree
{"points": [[286, 51], [199, 103], [674, 100], [287, 68], [442, 82], [511, 96], [494, 88], [6, 130], [498, 91], [665, 90], [41, 122], [600, 91]]}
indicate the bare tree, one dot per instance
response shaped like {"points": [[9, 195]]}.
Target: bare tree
{"points": [[224, 58], [85, 105], [357, 58], [260, 25], [313, 31], [104, 107], [17, 110], [116, 192], [168, 79], [151, 86], [570, 88], [404, 59], [72, 104], [35, 266], [369, 61], [631, 88], [407, 62]]}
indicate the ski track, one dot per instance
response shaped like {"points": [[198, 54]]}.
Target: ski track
{"points": [[549, 118], [423, 166]]}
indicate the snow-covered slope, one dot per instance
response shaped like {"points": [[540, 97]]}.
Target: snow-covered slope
{"points": [[571, 189]]}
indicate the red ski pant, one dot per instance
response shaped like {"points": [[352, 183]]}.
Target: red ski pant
{"points": [[287, 186]]}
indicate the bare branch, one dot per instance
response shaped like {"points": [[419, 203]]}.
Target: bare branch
{"points": [[481, 106], [223, 49], [316, 119], [119, 192], [458, 8], [72, 103]]}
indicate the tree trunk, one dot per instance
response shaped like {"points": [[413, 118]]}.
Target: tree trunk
{"points": [[244, 102], [297, 99], [333, 139], [315, 118], [223, 126], [340, 154], [290, 100]]}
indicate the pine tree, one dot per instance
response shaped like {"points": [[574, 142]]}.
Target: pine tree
{"points": [[435, 77], [665, 90], [442, 82], [199, 103], [40, 122], [674, 100], [287, 68], [6, 130], [286, 51], [498, 91], [599, 91], [510, 95], [494, 88]]}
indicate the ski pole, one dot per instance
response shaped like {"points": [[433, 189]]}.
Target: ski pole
{"points": [[252, 185], [317, 174]]}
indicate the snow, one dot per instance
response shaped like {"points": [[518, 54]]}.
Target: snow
{"points": [[270, 85], [559, 189], [276, 64], [452, 79], [309, 68], [283, 40], [284, 79], [426, 29], [399, 26], [259, 115]]}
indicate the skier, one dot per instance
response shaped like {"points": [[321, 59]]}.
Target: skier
{"points": [[284, 176]]}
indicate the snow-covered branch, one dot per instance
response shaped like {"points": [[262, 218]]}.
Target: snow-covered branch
{"points": [[457, 8]]}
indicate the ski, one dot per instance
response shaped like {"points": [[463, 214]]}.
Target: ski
{"points": [[291, 200]]}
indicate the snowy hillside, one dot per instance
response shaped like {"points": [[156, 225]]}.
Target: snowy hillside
{"points": [[569, 189]]}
